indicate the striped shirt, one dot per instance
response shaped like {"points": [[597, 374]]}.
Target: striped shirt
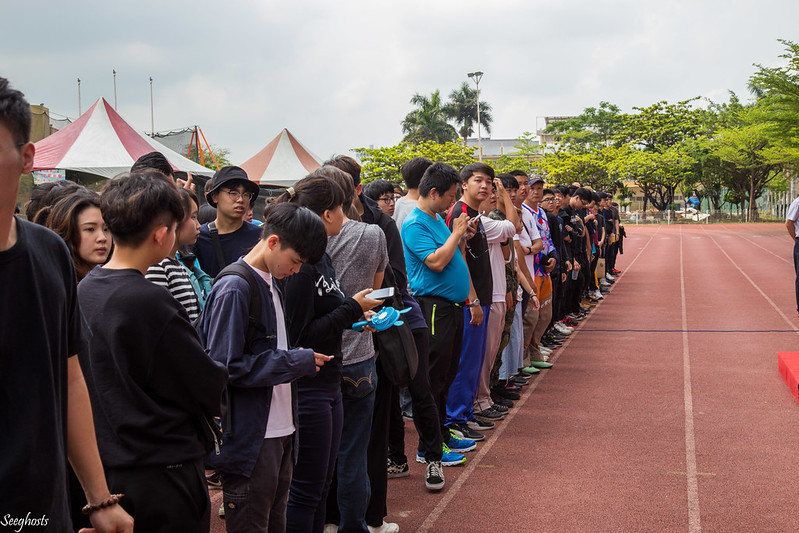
{"points": [[171, 275]]}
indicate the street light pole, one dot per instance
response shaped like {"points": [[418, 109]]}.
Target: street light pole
{"points": [[477, 76], [152, 120], [115, 88], [80, 109]]}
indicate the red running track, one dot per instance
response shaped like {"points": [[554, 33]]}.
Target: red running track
{"points": [[663, 412]]}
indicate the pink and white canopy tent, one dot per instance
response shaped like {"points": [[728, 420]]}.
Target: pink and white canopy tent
{"points": [[281, 162], [100, 142]]}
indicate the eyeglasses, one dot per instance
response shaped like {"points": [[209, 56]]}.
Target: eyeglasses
{"points": [[547, 199], [387, 199], [235, 195]]}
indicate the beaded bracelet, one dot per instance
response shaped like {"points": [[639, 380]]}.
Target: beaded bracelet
{"points": [[113, 500]]}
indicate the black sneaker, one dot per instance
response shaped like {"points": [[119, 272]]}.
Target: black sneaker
{"points": [[503, 409], [490, 415], [397, 470], [434, 476], [480, 425], [465, 432], [504, 402]]}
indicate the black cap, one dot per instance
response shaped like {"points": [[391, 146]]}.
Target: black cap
{"points": [[227, 174]]}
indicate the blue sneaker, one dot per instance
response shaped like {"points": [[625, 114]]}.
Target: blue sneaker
{"points": [[448, 458], [460, 445]]}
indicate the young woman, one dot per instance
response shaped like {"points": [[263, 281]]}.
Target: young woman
{"points": [[77, 219], [186, 235], [318, 312], [170, 273]]}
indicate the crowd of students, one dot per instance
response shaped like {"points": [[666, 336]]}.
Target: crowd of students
{"points": [[260, 377]]}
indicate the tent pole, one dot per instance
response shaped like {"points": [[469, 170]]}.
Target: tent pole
{"points": [[209, 147]]}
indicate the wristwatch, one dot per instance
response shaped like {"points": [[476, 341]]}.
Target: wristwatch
{"points": [[474, 303]]}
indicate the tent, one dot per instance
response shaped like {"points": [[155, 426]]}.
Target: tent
{"points": [[281, 162], [101, 143]]}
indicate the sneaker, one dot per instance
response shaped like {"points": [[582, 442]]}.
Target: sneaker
{"points": [[434, 476], [519, 381], [214, 480], [385, 527], [463, 431], [615, 272], [396, 470], [544, 350], [531, 369], [563, 328], [480, 425], [503, 409], [448, 457], [491, 415], [460, 445], [604, 283], [504, 402], [499, 396]]}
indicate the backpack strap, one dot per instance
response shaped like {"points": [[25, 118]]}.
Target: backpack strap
{"points": [[255, 327], [220, 257], [449, 215]]}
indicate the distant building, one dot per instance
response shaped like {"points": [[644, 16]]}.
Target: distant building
{"points": [[493, 149]]}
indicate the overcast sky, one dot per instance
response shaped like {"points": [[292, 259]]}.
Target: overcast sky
{"points": [[340, 75]]}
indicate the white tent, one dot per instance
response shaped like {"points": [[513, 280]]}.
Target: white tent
{"points": [[100, 142], [281, 162]]}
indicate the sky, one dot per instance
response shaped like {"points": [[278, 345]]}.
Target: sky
{"points": [[340, 75]]}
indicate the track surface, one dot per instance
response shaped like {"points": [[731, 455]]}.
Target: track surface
{"points": [[664, 411]]}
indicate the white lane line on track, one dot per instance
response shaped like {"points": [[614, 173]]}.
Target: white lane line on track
{"points": [[750, 241], [496, 433], [755, 285], [692, 485]]}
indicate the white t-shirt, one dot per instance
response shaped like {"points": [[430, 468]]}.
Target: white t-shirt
{"points": [[497, 232], [402, 208], [281, 420], [526, 237], [793, 214]]}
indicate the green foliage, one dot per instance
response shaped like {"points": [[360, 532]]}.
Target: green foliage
{"points": [[661, 125], [779, 88], [593, 127], [462, 108], [221, 155], [428, 122], [385, 163]]}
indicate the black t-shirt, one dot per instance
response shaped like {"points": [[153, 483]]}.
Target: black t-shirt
{"points": [[152, 386], [557, 240], [317, 313], [234, 245], [477, 258], [41, 330]]}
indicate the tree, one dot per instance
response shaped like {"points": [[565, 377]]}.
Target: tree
{"points": [[779, 88], [428, 122], [658, 174], [462, 108], [221, 155], [385, 163], [595, 126]]}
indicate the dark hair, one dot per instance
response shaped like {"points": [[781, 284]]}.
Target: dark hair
{"points": [[469, 170], [508, 181], [413, 170], [299, 228], [186, 197], [516, 173], [547, 191], [438, 176], [136, 203], [595, 196], [342, 179], [348, 165], [317, 193], [582, 193], [155, 160], [572, 189], [63, 220], [562, 190], [45, 196], [377, 188], [15, 113]]}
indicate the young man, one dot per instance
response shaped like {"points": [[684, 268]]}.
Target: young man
{"points": [[499, 234], [154, 390], [412, 172], [791, 219], [439, 278], [382, 192], [228, 237], [256, 460], [476, 182], [45, 403]]}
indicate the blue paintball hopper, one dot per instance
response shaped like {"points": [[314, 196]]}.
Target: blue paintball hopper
{"points": [[384, 319]]}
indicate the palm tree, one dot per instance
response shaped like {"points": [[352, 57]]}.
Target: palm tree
{"points": [[427, 122], [462, 108]]}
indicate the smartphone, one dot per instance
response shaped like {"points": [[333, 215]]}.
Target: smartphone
{"points": [[381, 294]]}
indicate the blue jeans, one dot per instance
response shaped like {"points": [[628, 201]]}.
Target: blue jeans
{"points": [[796, 267], [460, 401], [348, 509], [318, 437], [513, 354]]}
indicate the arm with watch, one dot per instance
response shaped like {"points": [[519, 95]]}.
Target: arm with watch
{"points": [[474, 305], [529, 289]]}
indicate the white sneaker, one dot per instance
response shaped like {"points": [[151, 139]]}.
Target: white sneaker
{"points": [[563, 328], [609, 277], [387, 527], [544, 350], [604, 282], [597, 295]]}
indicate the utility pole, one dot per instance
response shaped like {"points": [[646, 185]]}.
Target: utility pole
{"points": [[80, 109], [152, 120], [477, 76], [115, 89]]}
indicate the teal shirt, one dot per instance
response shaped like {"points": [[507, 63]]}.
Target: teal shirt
{"points": [[421, 236]]}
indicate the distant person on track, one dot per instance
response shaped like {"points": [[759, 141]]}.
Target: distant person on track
{"points": [[793, 230]]}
